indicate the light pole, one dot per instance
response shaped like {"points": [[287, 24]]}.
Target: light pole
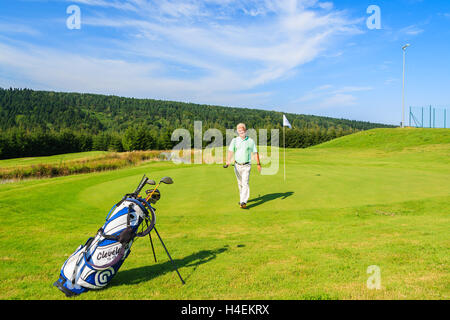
{"points": [[403, 90]]}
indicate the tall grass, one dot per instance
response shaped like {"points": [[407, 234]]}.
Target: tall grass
{"points": [[109, 161]]}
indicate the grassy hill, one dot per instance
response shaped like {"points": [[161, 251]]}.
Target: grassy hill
{"points": [[390, 139], [311, 236]]}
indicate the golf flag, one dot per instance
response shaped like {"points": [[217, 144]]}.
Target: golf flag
{"points": [[286, 122]]}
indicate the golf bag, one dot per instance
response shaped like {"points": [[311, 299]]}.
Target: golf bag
{"points": [[94, 264]]}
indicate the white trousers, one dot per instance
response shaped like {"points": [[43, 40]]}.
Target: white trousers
{"points": [[243, 176]]}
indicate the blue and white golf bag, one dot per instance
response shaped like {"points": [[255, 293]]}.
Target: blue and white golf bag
{"points": [[94, 264]]}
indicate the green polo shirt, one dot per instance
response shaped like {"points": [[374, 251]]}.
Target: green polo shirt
{"points": [[242, 149]]}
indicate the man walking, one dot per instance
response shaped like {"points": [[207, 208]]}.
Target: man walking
{"points": [[242, 148]]}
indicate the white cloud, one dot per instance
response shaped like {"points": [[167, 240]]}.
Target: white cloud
{"points": [[18, 28], [230, 57], [390, 81], [326, 5], [274, 47], [338, 100], [55, 70], [412, 30], [121, 5], [328, 96], [351, 89]]}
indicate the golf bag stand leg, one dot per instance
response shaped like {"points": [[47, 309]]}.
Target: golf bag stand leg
{"points": [[173, 263], [153, 248]]}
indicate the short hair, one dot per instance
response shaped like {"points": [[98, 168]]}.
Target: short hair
{"points": [[241, 125]]}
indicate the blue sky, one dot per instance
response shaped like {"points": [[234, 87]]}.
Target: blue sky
{"points": [[298, 56]]}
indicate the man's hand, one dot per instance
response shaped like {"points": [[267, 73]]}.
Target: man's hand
{"points": [[258, 162], [228, 160]]}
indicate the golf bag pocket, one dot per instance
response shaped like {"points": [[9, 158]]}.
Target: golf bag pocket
{"points": [[94, 264]]}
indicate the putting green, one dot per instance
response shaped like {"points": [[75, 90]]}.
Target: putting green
{"points": [[344, 206]]}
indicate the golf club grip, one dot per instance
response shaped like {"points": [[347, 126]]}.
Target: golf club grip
{"points": [[141, 185]]}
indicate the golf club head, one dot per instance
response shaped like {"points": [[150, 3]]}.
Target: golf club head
{"points": [[152, 182], [167, 180], [225, 166]]}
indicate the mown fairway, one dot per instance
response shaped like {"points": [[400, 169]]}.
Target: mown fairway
{"points": [[380, 197]]}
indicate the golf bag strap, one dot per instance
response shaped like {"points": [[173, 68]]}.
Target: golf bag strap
{"points": [[107, 236], [124, 238], [118, 204], [116, 238], [130, 207]]}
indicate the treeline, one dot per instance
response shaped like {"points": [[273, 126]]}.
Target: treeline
{"points": [[304, 138], [17, 142], [37, 123], [97, 113]]}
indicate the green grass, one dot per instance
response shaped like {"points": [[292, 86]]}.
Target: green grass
{"points": [[340, 210], [389, 139]]}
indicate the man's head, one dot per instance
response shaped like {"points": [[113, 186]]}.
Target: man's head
{"points": [[241, 130]]}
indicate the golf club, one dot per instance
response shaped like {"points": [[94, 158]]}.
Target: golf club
{"points": [[166, 180]]}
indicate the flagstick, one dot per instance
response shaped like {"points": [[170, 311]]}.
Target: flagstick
{"points": [[284, 156]]}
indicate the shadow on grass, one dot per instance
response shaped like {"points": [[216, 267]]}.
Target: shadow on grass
{"points": [[268, 197], [138, 275]]}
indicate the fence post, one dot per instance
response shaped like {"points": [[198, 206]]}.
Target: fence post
{"points": [[422, 117], [445, 118], [410, 116], [434, 117], [430, 116]]}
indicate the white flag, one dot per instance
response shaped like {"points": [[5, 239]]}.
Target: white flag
{"points": [[286, 122]]}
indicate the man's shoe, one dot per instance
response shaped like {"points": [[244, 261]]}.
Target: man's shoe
{"points": [[243, 205], [240, 204]]}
